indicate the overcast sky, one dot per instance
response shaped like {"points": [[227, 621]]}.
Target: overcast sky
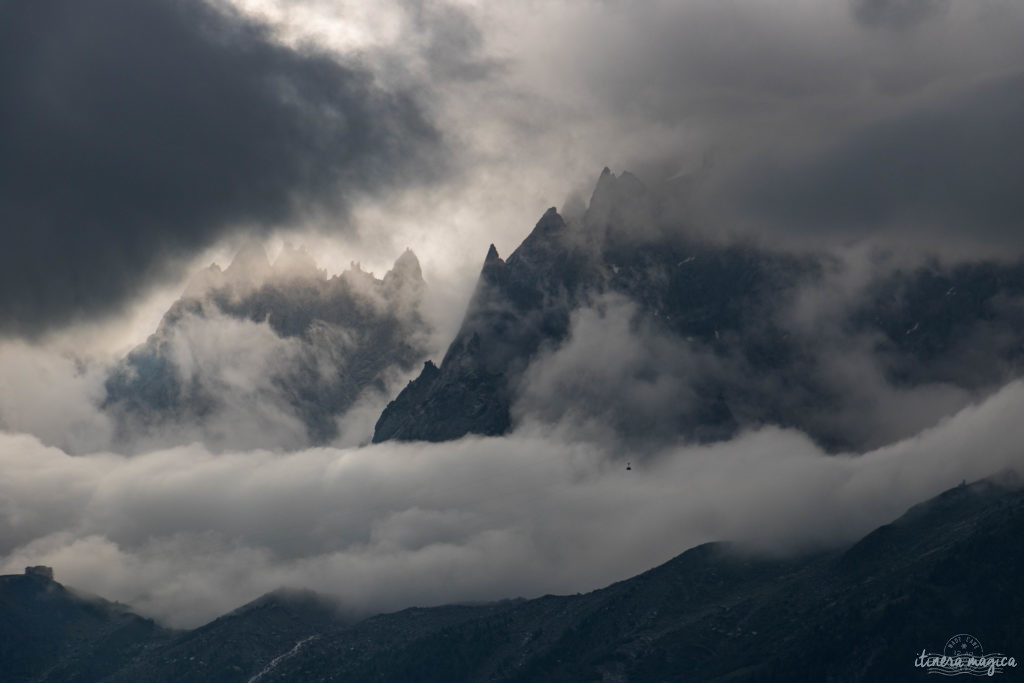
{"points": [[143, 139], [139, 136]]}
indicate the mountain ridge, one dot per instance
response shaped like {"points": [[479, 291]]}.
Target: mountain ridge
{"points": [[312, 345], [726, 321], [715, 612]]}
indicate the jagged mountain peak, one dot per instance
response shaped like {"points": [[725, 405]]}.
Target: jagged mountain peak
{"points": [[250, 264], [326, 341], [202, 282], [296, 262], [492, 268], [610, 186], [549, 229], [516, 305], [250, 255], [407, 259], [618, 202], [406, 267], [549, 237], [492, 255], [251, 268]]}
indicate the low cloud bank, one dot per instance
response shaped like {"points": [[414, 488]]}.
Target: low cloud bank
{"points": [[184, 535]]}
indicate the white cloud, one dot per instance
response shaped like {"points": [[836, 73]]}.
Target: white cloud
{"points": [[53, 395], [185, 535]]}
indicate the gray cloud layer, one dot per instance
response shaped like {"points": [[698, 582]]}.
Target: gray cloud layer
{"points": [[185, 535], [834, 121], [897, 14], [140, 134], [136, 132], [948, 172]]}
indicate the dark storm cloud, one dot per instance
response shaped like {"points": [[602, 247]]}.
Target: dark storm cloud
{"points": [[881, 118], [133, 132], [898, 14], [453, 41], [949, 171]]}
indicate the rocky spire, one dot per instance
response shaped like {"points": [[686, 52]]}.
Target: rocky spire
{"points": [[405, 273], [407, 266], [296, 262], [618, 201], [249, 269]]}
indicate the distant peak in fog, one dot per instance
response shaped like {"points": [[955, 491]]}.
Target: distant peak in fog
{"points": [[406, 269], [297, 262], [274, 355], [251, 268], [615, 193]]}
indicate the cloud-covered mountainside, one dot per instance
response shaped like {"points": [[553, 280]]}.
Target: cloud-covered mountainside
{"points": [[615, 318], [262, 355], [712, 613], [729, 374]]}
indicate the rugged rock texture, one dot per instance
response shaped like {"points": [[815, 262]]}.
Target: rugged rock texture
{"points": [[693, 291], [517, 305], [260, 350], [959, 324], [718, 326]]}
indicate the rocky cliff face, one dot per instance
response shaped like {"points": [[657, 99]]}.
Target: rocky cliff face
{"points": [[714, 341], [269, 355], [692, 292], [517, 306]]}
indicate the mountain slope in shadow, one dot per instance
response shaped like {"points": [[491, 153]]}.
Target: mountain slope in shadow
{"points": [[714, 613]]}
